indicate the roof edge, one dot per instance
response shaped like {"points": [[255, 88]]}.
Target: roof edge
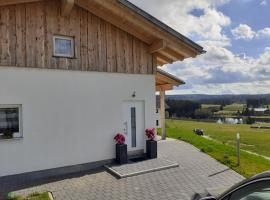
{"points": [[162, 25], [162, 72]]}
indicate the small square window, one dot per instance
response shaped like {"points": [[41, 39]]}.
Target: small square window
{"points": [[63, 46], [10, 121]]}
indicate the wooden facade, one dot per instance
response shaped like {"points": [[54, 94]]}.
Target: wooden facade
{"points": [[26, 40]]}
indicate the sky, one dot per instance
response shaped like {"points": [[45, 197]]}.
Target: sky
{"points": [[236, 36]]}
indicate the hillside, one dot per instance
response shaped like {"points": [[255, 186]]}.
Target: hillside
{"points": [[212, 99]]}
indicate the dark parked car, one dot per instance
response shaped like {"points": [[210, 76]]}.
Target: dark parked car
{"points": [[255, 188]]}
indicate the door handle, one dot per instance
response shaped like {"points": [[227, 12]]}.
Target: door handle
{"points": [[126, 128]]}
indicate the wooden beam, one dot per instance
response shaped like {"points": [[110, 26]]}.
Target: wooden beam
{"points": [[164, 79], [66, 7], [157, 46], [162, 113], [164, 59], [161, 63], [172, 54], [164, 87], [12, 2], [183, 49]]}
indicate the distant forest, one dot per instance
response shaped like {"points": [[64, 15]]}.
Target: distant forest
{"points": [[220, 99], [219, 106]]}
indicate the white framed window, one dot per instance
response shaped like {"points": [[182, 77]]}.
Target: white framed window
{"points": [[63, 46], [10, 121]]}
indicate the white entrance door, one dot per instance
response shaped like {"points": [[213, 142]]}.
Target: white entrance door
{"points": [[134, 125]]}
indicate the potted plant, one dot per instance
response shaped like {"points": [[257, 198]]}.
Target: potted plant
{"points": [[151, 143], [7, 134], [121, 149]]}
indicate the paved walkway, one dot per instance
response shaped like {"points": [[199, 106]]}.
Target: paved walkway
{"points": [[196, 172]]}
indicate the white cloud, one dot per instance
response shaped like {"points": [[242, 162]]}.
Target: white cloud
{"points": [[265, 57], [263, 3], [219, 70], [264, 32], [256, 87], [176, 13], [243, 31]]}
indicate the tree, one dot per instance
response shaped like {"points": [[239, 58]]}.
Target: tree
{"points": [[255, 103], [221, 107], [203, 113], [250, 120], [182, 108]]}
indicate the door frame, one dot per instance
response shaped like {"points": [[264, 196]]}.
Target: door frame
{"points": [[141, 148]]}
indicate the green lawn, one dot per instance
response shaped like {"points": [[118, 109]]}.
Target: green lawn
{"points": [[34, 196], [226, 113], [234, 107], [253, 140], [206, 106]]}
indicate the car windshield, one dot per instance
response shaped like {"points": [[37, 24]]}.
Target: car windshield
{"points": [[259, 195], [255, 191]]}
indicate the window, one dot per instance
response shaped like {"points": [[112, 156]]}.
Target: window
{"points": [[256, 191], [156, 110], [157, 123], [10, 119], [133, 127], [63, 46]]}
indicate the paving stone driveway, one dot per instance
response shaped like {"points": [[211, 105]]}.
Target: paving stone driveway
{"points": [[197, 171]]}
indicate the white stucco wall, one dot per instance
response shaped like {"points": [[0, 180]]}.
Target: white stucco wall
{"points": [[69, 117]]}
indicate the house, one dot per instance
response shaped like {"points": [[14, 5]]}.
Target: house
{"points": [[260, 111], [74, 73], [164, 79]]}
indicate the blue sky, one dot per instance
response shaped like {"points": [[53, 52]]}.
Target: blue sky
{"points": [[236, 36]]}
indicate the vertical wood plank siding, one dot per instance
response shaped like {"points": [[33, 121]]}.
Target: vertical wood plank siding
{"points": [[26, 40]]}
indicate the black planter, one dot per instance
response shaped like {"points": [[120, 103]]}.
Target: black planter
{"points": [[121, 153], [151, 149]]}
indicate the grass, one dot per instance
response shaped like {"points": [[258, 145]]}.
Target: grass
{"points": [[234, 107], [226, 113], [226, 154], [207, 106], [255, 140], [33, 196]]}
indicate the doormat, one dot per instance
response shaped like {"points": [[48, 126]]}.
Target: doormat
{"points": [[140, 166]]}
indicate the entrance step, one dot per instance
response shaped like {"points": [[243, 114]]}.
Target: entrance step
{"points": [[140, 166]]}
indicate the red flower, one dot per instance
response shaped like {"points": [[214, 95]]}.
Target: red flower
{"points": [[150, 133], [120, 138]]}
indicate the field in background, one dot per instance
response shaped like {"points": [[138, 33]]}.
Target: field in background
{"points": [[234, 107], [255, 140], [222, 147]]}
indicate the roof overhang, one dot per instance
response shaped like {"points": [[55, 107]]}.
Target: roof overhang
{"points": [[166, 81], [166, 44]]}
